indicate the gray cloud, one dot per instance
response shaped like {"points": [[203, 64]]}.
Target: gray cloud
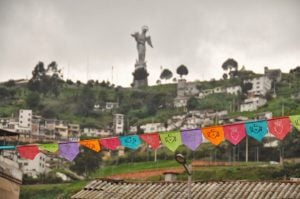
{"points": [[87, 38]]}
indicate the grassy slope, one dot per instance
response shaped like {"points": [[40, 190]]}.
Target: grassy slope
{"points": [[50, 191]]}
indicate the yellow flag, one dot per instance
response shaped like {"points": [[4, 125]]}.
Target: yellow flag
{"points": [[91, 144], [214, 134]]}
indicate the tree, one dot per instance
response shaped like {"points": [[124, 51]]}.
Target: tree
{"points": [[86, 162], [38, 75], [246, 87], [182, 70], [86, 101], [33, 99], [45, 81], [166, 74], [192, 103], [230, 64], [225, 76], [10, 83]]}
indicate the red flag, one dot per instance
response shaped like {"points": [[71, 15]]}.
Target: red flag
{"points": [[279, 127], [28, 152], [152, 139], [110, 143]]}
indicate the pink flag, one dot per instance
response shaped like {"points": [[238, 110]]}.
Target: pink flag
{"points": [[151, 138], [279, 127], [234, 133], [28, 152], [110, 143]]}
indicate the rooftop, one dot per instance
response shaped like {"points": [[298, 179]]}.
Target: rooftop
{"points": [[221, 189]]}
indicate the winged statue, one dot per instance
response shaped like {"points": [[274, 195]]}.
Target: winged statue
{"points": [[141, 40]]}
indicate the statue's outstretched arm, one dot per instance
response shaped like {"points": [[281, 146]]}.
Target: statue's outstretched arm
{"points": [[134, 34], [148, 40]]}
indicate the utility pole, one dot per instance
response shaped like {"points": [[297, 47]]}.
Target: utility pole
{"points": [[246, 148]]}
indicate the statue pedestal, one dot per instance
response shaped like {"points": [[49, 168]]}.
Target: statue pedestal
{"points": [[140, 75]]}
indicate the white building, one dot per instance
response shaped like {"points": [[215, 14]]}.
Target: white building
{"points": [[184, 91], [118, 123], [231, 90], [260, 85], [180, 102], [36, 166], [205, 93], [93, 132], [252, 104], [186, 88], [25, 120], [235, 90], [153, 127], [219, 90], [111, 105]]}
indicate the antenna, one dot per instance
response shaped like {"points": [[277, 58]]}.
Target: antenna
{"points": [[112, 74], [87, 69]]}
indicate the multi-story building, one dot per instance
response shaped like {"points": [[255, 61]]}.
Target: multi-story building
{"points": [[260, 85], [73, 130], [25, 120], [61, 129], [184, 91], [118, 124], [4, 122], [186, 88]]}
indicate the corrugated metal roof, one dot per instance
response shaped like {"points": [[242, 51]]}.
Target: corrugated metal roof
{"points": [[105, 189]]}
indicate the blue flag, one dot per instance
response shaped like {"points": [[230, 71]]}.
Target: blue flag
{"points": [[256, 129], [130, 141], [7, 147]]}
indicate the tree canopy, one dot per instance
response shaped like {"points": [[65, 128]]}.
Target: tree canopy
{"points": [[182, 70], [166, 74]]}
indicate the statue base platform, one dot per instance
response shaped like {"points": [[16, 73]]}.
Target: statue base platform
{"points": [[140, 75]]}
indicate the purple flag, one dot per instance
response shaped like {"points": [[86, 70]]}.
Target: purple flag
{"points": [[68, 150], [191, 138]]}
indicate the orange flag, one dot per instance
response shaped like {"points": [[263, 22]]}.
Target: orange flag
{"points": [[214, 134], [91, 144]]}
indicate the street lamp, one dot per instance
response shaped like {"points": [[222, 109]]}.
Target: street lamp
{"points": [[188, 168]]}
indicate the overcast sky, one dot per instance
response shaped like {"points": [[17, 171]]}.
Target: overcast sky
{"points": [[87, 37]]}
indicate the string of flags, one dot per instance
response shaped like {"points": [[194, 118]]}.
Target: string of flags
{"points": [[191, 138]]}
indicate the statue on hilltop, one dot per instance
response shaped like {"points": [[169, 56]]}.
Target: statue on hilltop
{"points": [[141, 40], [140, 74]]}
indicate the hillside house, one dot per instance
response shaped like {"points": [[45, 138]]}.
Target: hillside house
{"points": [[273, 74], [36, 166], [184, 91], [252, 104], [153, 127], [235, 90], [260, 86]]}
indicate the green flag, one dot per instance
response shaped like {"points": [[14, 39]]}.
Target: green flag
{"points": [[52, 147], [172, 140], [295, 120]]}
